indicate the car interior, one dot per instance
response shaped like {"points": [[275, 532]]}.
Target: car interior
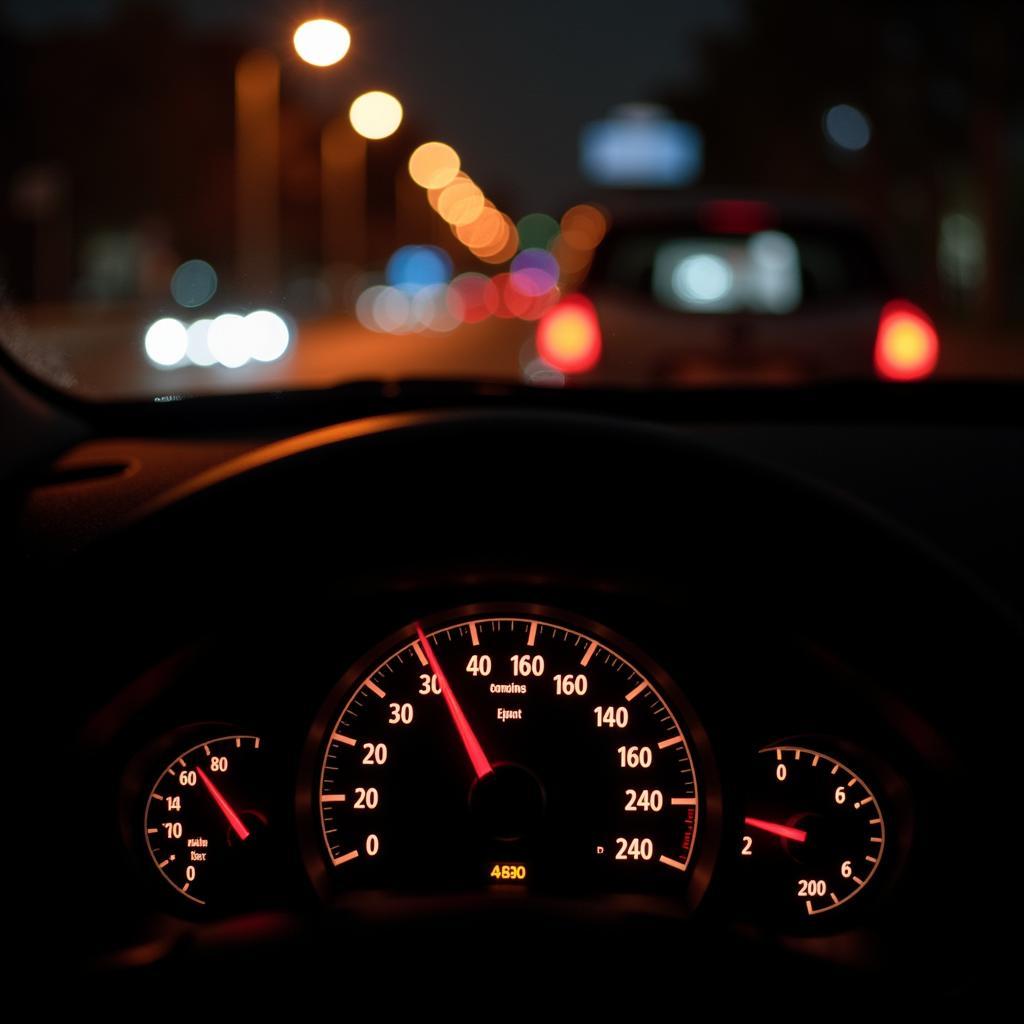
{"points": [[426, 667]]}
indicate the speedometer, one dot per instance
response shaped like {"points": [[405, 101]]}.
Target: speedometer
{"points": [[531, 750]]}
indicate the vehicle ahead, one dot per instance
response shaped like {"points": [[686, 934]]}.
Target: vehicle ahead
{"points": [[727, 289]]}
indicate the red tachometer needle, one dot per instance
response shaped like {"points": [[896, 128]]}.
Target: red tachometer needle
{"points": [[229, 812], [798, 835], [481, 765]]}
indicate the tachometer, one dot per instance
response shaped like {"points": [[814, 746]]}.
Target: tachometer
{"points": [[508, 749]]}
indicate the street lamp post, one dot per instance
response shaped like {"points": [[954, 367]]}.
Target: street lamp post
{"points": [[257, 144], [343, 193]]}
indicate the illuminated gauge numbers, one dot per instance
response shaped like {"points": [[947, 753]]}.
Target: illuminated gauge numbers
{"points": [[507, 751], [813, 835], [203, 819]]}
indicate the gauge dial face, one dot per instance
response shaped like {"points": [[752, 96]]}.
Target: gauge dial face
{"points": [[204, 818], [508, 750], [813, 834]]}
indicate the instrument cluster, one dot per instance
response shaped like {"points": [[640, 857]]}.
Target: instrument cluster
{"points": [[505, 752]]}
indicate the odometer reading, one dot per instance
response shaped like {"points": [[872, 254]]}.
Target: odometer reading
{"points": [[507, 750]]}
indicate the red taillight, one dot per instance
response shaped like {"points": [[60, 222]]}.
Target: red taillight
{"points": [[569, 336], [907, 347], [735, 216]]}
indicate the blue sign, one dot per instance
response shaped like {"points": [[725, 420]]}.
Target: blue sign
{"points": [[641, 151]]}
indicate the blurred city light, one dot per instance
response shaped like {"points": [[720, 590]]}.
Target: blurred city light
{"points": [[907, 346], [193, 283], [569, 336], [774, 282], [472, 297], [430, 307], [433, 165], [760, 274], [847, 127], [392, 310], [461, 202], [488, 231], [534, 272], [321, 42], [536, 230], [418, 266], [702, 279], [166, 342], [198, 351], [228, 340], [961, 251], [640, 145], [583, 227], [503, 247], [267, 335], [375, 115]]}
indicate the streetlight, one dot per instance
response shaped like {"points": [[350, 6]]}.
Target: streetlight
{"points": [[375, 115], [257, 140], [321, 42]]}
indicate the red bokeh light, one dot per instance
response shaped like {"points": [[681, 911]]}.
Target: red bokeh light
{"points": [[569, 336], [907, 346]]}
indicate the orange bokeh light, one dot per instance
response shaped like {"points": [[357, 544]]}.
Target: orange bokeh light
{"points": [[433, 165], [461, 202], [583, 227]]}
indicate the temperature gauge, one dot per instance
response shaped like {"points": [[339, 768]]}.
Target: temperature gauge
{"points": [[813, 835], [204, 818]]}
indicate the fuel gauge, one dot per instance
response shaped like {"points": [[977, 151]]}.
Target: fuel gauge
{"points": [[205, 817]]}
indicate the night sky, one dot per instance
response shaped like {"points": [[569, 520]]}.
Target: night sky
{"points": [[509, 84]]}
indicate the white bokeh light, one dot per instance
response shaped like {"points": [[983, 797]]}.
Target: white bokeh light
{"points": [[267, 335], [229, 340], [702, 278], [198, 351], [166, 342]]}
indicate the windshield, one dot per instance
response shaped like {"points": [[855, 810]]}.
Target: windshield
{"points": [[202, 197]]}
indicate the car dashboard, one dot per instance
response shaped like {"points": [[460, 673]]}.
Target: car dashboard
{"points": [[514, 687]]}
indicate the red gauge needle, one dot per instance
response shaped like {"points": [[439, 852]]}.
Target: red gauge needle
{"points": [[229, 812], [481, 765], [798, 835]]}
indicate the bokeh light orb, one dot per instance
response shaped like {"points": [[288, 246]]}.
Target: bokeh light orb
{"points": [[847, 127], [536, 230], [267, 335], [198, 351], [461, 202], [193, 284], [375, 115], [321, 42], [569, 336], [583, 227], [229, 341], [534, 272], [472, 298], [413, 267], [166, 342], [433, 165]]}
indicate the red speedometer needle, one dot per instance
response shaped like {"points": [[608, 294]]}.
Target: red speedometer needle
{"points": [[481, 765], [798, 835], [229, 812]]}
